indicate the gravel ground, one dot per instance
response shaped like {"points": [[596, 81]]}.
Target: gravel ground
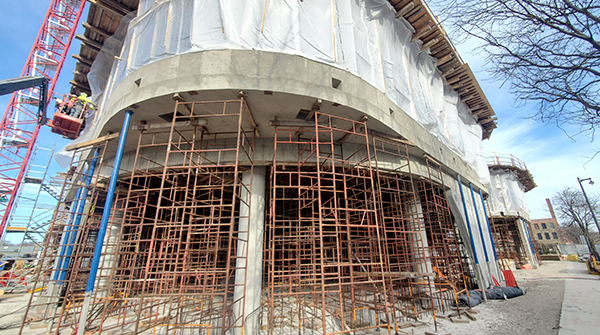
{"points": [[537, 312]]}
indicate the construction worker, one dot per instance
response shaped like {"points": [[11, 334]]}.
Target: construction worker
{"points": [[79, 106], [70, 103]]}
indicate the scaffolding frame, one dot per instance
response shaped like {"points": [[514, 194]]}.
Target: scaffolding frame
{"points": [[507, 239], [324, 245], [33, 212], [352, 242], [64, 265], [410, 274], [442, 234], [173, 249]]}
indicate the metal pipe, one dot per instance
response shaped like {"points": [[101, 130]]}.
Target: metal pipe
{"points": [[479, 224], [67, 231], [462, 195], [478, 272], [89, 290], [488, 225], [588, 200], [81, 207]]}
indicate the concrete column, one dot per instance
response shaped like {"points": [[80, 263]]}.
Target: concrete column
{"points": [[426, 262], [109, 253], [250, 250]]}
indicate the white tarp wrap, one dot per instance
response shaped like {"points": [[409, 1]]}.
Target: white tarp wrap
{"points": [[507, 195], [481, 240], [360, 36]]}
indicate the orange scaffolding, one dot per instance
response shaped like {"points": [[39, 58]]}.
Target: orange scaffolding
{"points": [[324, 256], [173, 247], [507, 238], [352, 241]]}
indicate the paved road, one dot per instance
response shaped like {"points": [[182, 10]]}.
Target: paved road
{"points": [[581, 305]]}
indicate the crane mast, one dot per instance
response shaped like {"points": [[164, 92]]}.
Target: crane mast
{"points": [[20, 124]]}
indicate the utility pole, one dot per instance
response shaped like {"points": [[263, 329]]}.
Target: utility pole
{"points": [[588, 200]]}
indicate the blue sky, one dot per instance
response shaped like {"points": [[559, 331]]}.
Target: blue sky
{"points": [[554, 159]]}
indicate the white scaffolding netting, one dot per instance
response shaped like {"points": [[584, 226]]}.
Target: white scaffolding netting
{"points": [[507, 195], [362, 37]]}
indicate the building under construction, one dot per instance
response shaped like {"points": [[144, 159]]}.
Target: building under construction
{"points": [[276, 167], [509, 213]]}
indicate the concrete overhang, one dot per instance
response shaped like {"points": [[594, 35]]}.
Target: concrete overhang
{"points": [[277, 86]]}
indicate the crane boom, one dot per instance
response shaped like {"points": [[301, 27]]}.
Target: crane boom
{"points": [[20, 126], [14, 84]]}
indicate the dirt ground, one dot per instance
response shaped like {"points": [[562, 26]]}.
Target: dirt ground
{"points": [[12, 309], [537, 312]]}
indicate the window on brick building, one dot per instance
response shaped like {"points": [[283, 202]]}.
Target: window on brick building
{"points": [[555, 236], [536, 226], [547, 236], [544, 226], [551, 225], [540, 236]]}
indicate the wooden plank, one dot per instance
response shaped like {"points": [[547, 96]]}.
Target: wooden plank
{"points": [[79, 73], [432, 159], [113, 6], [413, 13], [154, 126], [83, 60], [80, 85], [421, 33], [445, 59], [456, 320], [470, 316], [96, 30], [405, 10], [89, 42], [89, 143], [429, 44], [315, 107]]}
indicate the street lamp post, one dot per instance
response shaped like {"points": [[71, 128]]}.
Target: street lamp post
{"points": [[588, 200]]}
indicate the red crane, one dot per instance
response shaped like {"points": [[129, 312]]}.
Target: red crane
{"points": [[20, 125]]}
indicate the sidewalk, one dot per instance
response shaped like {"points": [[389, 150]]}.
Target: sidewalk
{"points": [[580, 309]]}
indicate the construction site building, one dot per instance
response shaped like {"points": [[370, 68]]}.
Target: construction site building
{"points": [[305, 167], [509, 212]]}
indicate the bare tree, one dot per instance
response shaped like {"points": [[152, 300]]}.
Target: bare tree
{"points": [[573, 211], [572, 234], [549, 51]]}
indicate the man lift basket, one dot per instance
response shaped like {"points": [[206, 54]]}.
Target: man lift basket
{"points": [[69, 119]]}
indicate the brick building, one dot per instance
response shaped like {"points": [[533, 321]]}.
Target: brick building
{"points": [[547, 231]]}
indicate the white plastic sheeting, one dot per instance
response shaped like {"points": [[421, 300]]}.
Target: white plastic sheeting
{"points": [[507, 195], [481, 241], [360, 36]]}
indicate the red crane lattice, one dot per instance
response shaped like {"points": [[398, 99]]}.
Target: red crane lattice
{"points": [[19, 127]]}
